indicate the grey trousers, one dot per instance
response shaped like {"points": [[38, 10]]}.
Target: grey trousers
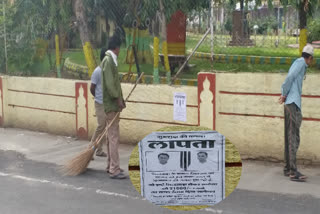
{"points": [[292, 124]]}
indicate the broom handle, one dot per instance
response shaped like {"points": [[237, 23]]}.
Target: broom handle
{"points": [[98, 141]]}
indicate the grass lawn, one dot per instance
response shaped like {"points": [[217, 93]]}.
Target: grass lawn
{"points": [[265, 46], [36, 69], [78, 58], [264, 49], [206, 65], [200, 65]]}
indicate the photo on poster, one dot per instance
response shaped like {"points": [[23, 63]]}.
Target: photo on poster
{"points": [[205, 160]]}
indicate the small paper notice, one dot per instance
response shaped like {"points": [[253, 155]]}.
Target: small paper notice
{"points": [[180, 106]]}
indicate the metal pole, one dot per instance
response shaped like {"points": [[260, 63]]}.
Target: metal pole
{"points": [[211, 28], [296, 30], [136, 60], [185, 63], [5, 36], [279, 23], [58, 58]]}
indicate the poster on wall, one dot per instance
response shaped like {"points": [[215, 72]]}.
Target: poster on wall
{"points": [[180, 106], [183, 168]]}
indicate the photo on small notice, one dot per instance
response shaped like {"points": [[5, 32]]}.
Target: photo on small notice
{"points": [[183, 168]]}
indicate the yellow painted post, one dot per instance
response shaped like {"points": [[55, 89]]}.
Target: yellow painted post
{"points": [[58, 58], [166, 61], [302, 40], [89, 56], [156, 43]]}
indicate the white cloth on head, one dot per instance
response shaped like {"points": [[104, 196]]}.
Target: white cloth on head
{"points": [[114, 57]]}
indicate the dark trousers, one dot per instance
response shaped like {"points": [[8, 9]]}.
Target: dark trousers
{"points": [[292, 124]]}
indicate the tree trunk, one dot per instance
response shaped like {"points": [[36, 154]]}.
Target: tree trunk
{"points": [[84, 32], [163, 33], [242, 18], [156, 27], [199, 27], [164, 41], [302, 25], [82, 23], [156, 42], [5, 38], [222, 16], [302, 16]]}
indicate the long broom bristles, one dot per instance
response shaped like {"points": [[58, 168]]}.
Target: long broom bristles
{"points": [[79, 164]]}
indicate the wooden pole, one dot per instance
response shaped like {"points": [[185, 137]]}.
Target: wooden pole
{"points": [[187, 60], [211, 29]]}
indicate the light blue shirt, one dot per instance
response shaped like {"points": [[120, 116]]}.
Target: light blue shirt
{"points": [[96, 79], [292, 86]]}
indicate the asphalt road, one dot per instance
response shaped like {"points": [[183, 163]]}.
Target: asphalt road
{"points": [[33, 187]]}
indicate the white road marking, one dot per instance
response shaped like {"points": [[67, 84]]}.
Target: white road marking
{"points": [[29, 179], [67, 186], [72, 187], [102, 192], [213, 210]]}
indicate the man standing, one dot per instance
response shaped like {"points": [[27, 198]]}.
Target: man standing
{"points": [[113, 103], [96, 91], [291, 95]]}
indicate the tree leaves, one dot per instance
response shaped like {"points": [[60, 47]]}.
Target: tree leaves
{"points": [[310, 6]]}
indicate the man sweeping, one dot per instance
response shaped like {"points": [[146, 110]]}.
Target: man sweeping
{"points": [[113, 103], [96, 91], [291, 95]]}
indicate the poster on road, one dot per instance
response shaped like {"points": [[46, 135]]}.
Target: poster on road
{"points": [[183, 168]]}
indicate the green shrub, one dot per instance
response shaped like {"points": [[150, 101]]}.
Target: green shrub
{"points": [[228, 25], [314, 30], [264, 24]]}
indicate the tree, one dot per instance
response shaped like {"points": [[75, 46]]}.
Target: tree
{"points": [[59, 16], [31, 25], [152, 7], [25, 27], [22, 30], [110, 10], [241, 36], [160, 11], [84, 31], [81, 23], [306, 9], [86, 12]]}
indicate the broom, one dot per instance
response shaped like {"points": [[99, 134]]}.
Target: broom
{"points": [[79, 164]]}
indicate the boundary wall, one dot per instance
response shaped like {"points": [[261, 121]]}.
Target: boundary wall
{"points": [[244, 107]]}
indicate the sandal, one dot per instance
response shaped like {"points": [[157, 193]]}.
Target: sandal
{"points": [[298, 177], [120, 175], [101, 154], [286, 172], [121, 170]]}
